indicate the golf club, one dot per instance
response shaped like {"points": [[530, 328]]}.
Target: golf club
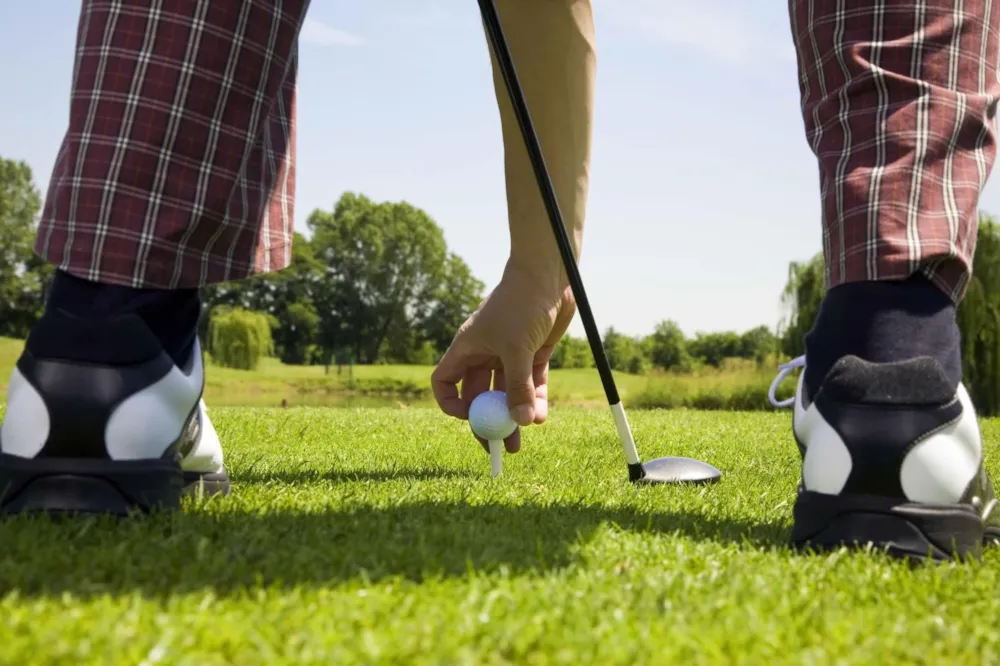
{"points": [[660, 470]]}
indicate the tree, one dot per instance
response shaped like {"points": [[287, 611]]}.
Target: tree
{"points": [[979, 321], [287, 295], [458, 295], [295, 334], [801, 298], [571, 352], [757, 344], [624, 353], [24, 278], [375, 283], [295, 289], [668, 347], [239, 338], [714, 348], [405, 344], [384, 266]]}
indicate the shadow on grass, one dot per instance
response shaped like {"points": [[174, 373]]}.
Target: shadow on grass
{"points": [[225, 553], [293, 477]]}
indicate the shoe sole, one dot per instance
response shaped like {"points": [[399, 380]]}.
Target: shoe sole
{"points": [[208, 483], [65, 486], [938, 532]]}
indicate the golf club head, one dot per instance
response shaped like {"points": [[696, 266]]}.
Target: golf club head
{"points": [[676, 470]]}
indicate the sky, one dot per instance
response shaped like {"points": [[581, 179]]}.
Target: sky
{"points": [[703, 188]]}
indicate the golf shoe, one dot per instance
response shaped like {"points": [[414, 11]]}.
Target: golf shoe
{"points": [[892, 456], [100, 420]]}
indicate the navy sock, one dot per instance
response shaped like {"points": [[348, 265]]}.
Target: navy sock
{"points": [[881, 322], [172, 315]]}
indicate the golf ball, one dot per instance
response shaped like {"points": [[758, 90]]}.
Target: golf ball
{"points": [[489, 416]]}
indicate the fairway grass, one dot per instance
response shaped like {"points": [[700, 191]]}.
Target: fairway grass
{"points": [[357, 536]]}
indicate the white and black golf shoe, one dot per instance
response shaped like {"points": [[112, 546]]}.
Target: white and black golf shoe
{"points": [[100, 420], [892, 457]]}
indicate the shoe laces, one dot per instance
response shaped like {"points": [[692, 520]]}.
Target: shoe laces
{"points": [[783, 371]]}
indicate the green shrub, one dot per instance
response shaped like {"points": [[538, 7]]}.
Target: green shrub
{"points": [[570, 353], [239, 338], [667, 392]]}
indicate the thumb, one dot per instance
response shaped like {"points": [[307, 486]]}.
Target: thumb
{"points": [[520, 385]]}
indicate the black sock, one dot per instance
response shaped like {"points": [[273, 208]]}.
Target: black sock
{"points": [[172, 315], [881, 322]]}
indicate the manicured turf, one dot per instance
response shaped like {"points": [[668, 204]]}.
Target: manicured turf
{"points": [[377, 536]]}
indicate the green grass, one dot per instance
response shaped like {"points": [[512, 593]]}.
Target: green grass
{"points": [[359, 536]]}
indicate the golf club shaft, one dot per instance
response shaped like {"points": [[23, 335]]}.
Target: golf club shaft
{"points": [[498, 42]]}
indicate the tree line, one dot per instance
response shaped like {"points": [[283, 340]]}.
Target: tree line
{"points": [[373, 283], [376, 283], [667, 348]]}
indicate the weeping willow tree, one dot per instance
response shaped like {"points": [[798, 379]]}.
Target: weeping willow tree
{"points": [[239, 338], [978, 316], [801, 300], [979, 320]]}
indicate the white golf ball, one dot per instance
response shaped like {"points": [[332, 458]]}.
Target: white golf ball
{"points": [[489, 417]]}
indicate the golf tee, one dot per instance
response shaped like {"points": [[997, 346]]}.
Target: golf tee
{"points": [[496, 456]]}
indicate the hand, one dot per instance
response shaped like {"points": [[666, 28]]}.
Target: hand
{"points": [[508, 342]]}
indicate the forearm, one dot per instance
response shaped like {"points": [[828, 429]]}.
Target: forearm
{"points": [[552, 45]]}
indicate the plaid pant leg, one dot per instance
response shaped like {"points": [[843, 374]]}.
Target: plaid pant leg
{"points": [[899, 100], [177, 167]]}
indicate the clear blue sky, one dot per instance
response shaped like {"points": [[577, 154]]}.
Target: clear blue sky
{"points": [[703, 188]]}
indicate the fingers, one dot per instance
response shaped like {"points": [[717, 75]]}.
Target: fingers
{"points": [[444, 382], [476, 382], [512, 443], [541, 376], [519, 383]]}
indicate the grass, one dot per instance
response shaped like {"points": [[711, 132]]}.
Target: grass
{"points": [[740, 387], [360, 536]]}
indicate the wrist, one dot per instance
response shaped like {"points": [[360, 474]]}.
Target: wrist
{"points": [[544, 272]]}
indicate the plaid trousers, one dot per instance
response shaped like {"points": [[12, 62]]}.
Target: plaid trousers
{"points": [[177, 169], [898, 99]]}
